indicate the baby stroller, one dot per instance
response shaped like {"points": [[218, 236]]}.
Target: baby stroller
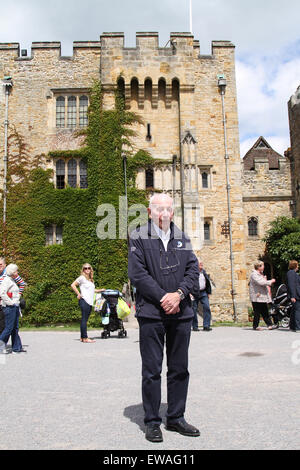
{"points": [[281, 307], [111, 320]]}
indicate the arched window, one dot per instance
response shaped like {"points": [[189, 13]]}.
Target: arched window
{"points": [[121, 87], [148, 90], [83, 174], [134, 87], [72, 173], [83, 111], [72, 111], [175, 89], [149, 178], [252, 227], [60, 112], [60, 174], [204, 177], [162, 90]]}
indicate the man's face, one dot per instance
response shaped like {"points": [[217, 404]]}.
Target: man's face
{"points": [[2, 265], [161, 212]]}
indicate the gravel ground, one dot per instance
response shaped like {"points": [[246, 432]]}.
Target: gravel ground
{"points": [[64, 395]]}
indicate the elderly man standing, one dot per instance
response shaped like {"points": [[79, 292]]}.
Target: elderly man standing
{"points": [[164, 270]]}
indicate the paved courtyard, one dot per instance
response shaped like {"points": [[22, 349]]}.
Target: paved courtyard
{"points": [[244, 392]]}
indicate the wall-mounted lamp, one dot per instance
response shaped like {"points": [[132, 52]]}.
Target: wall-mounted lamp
{"points": [[222, 83]]}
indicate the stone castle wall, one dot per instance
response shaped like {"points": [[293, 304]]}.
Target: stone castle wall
{"points": [[267, 194], [294, 122], [36, 82], [175, 90]]}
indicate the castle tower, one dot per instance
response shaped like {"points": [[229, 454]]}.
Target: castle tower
{"points": [[175, 91], [294, 122]]}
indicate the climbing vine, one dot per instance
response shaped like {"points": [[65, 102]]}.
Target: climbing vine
{"points": [[33, 203]]}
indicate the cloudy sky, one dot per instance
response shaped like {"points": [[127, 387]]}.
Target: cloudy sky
{"points": [[266, 34]]}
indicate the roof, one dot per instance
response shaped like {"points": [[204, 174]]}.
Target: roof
{"points": [[260, 149]]}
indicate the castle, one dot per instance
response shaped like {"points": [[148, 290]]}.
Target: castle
{"points": [[178, 93]]}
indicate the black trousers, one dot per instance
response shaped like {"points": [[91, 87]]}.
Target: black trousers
{"points": [[154, 334], [261, 309], [2, 320], [295, 316]]}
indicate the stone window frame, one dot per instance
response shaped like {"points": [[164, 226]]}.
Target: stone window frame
{"points": [[70, 117], [53, 234], [80, 177], [208, 171], [149, 175], [208, 221], [251, 220]]}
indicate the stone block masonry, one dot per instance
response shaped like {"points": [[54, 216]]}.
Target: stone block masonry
{"points": [[175, 91]]}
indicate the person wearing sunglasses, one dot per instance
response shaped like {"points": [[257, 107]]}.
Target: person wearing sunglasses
{"points": [[85, 297], [164, 271]]}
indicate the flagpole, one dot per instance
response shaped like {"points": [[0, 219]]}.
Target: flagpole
{"points": [[191, 18]]}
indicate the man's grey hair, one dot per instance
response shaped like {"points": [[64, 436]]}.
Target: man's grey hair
{"points": [[161, 195], [3, 260]]}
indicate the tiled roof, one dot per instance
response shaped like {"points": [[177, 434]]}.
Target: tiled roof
{"points": [[260, 149]]}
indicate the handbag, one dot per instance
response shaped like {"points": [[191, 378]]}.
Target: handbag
{"points": [[123, 309]]}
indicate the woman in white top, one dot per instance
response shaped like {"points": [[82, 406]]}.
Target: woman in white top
{"points": [[10, 301], [86, 298]]}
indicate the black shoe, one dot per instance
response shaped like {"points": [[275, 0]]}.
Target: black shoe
{"points": [[207, 328], [184, 428], [153, 433], [195, 329], [20, 351]]}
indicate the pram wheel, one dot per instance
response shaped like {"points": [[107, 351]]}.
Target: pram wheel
{"points": [[285, 322], [122, 334], [105, 334]]}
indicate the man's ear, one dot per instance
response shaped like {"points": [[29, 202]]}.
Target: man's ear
{"points": [[149, 212]]}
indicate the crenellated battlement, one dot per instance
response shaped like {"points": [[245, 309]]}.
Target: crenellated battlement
{"points": [[180, 43], [45, 47]]}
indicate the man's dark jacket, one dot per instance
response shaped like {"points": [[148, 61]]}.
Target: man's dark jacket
{"points": [[293, 282], [207, 289], [155, 271]]}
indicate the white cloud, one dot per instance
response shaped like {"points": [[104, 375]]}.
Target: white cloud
{"points": [[266, 34], [264, 87]]}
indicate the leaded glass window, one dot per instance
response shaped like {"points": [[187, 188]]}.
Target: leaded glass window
{"points": [[83, 111], [72, 173], [60, 174], [60, 112]]}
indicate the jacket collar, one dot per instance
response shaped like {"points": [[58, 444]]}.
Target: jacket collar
{"points": [[175, 232]]}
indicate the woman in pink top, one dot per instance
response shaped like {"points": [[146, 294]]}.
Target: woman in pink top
{"points": [[260, 295]]}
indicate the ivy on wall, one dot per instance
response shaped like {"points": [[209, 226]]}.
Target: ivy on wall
{"points": [[33, 203]]}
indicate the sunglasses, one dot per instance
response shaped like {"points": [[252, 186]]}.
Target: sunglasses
{"points": [[87, 268]]}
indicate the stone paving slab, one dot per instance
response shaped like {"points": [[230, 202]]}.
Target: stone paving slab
{"points": [[64, 395]]}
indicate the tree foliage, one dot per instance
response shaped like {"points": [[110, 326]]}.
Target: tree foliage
{"points": [[283, 242]]}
